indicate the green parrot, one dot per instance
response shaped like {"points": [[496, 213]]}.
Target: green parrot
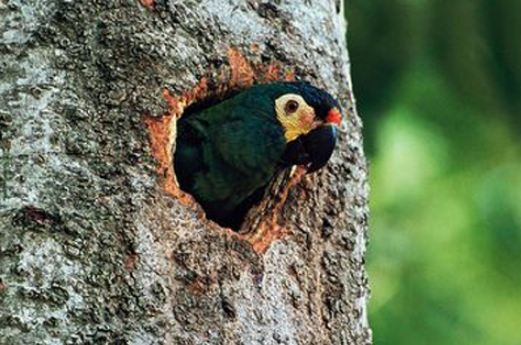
{"points": [[227, 154]]}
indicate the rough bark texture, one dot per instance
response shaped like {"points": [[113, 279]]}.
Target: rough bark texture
{"points": [[94, 250]]}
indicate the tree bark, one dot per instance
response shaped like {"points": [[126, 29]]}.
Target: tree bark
{"points": [[96, 243]]}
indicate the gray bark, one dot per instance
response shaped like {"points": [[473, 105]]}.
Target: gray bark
{"points": [[94, 250]]}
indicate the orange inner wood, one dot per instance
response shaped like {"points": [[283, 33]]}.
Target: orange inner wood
{"points": [[150, 4]]}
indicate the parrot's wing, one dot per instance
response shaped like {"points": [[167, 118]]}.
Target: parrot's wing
{"points": [[251, 144]]}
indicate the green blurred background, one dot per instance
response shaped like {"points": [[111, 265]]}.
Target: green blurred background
{"points": [[438, 85]]}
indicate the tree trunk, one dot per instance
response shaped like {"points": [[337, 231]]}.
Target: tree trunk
{"points": [[97, 244]]}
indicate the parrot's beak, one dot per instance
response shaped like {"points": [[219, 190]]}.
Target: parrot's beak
{"points": [[319, 145]]}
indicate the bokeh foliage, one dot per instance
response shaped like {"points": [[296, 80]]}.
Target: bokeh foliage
{"points": [[438, 84]]}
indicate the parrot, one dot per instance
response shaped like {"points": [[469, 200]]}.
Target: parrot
{"points": [[227, 154]]}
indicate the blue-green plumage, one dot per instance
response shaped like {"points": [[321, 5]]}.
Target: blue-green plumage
{"points": [[226, 154]]}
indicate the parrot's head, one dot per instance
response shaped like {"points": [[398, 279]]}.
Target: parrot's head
{"points": [[310, 118]]}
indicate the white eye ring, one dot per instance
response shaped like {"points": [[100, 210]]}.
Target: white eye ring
{"points": [[291, 106]]}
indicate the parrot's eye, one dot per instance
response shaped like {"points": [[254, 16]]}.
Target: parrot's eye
{"points": [[291, 106]]}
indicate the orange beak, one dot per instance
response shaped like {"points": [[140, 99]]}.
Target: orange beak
{"points": [[334, 116]]}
